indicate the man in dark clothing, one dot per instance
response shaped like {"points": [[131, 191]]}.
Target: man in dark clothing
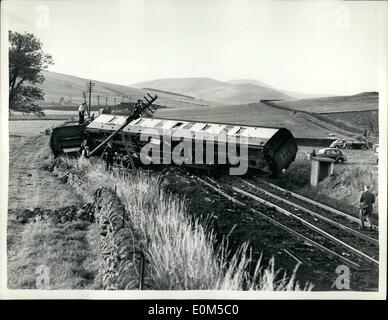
{"points": [[367, 199], [313, 154], [139, 105], [81, 113], [109, 156]]}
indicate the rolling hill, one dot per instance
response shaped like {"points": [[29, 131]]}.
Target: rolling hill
{"points": [[355, 113], [63, 89], [366, 101], [215, 90], [293, 94], [58, 85]]}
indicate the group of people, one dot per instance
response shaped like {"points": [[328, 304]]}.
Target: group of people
{"points": [[109, 155]]}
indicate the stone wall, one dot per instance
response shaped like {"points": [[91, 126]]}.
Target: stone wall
{"points": [[123, 265]]}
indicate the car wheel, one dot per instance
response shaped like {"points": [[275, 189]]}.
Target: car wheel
{"points": [[364, 148], [347, 147], [340, 160]]}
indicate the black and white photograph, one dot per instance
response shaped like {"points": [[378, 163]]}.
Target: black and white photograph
{"points": [[226, 149]]}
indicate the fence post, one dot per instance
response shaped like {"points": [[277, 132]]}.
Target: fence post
{"points": [[141, 275]]}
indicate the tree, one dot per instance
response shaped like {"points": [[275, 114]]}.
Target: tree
{"points": [[26, 63]]}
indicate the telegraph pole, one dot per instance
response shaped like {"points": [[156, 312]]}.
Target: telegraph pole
{"points": [[89, 88]]}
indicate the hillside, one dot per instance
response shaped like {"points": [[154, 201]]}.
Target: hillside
{"points": [[216, 91], [69, 87], [293, 94], [67, 90], [366, 101]]}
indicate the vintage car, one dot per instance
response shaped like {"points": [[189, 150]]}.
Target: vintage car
{"points": [[339, 143], [357, 142], [332, 153]]}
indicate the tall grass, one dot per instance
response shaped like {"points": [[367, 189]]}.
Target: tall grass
{"points": [[181, 252], [347, 183], [71, 263]]}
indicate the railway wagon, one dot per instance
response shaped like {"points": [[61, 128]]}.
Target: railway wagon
{"points": [[270, 149], [67, 138]]}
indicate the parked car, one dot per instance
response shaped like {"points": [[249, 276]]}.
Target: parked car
{"points": [[357, 142], [339, 143], [332, 153]]}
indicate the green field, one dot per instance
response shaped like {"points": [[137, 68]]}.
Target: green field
{"points": [[31, 127]]}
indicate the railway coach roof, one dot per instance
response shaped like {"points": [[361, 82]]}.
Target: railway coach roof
{"points": [[182, 128]]}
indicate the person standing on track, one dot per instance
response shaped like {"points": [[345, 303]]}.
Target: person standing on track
{"points": [[367, 199], [109, 156]]}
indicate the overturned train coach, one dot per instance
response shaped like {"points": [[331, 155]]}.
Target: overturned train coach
{"points": [[269, 150]]}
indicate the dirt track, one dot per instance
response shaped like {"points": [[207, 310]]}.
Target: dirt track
{"points": [[31, 186]]}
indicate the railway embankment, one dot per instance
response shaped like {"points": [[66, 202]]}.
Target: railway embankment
{"points": [[149, 240]]}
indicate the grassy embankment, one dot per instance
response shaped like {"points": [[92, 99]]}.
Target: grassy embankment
{"points": [[343, 188], [181, 251]]}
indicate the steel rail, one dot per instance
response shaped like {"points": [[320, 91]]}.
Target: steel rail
{"points": [[309, 225], [280, 225], [318, 204], [323, 218]]}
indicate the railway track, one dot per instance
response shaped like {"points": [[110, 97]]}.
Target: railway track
{"points": [[333, 234], [297, 198]]}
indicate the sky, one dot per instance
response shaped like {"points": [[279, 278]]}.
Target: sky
{"points": [[313, 47]]}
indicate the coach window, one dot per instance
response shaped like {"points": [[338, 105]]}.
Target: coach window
{"points": [[177, 125]]}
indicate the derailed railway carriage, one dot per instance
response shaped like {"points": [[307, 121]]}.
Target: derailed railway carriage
{"points": [[199, 144]]}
